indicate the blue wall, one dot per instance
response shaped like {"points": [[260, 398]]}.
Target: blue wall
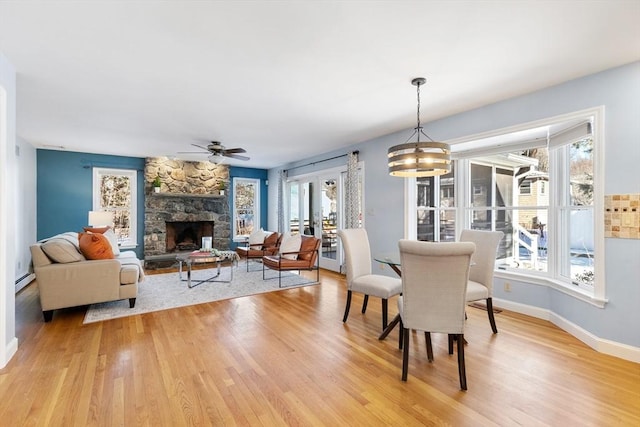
{"points": [[65, 190]]}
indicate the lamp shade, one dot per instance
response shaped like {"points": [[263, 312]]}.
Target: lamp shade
{"points": [[100, 218], [418, 159]]}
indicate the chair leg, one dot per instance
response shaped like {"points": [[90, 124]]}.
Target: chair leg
{"points": [[347, 307], [385, 317], [461, 369], [427, 338], [364, 303], [450, 338], [492, 319], [400, 337], [132, 302], [405, 354], [48, 315]]}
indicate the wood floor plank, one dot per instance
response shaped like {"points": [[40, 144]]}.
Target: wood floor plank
{"points": [[286, 358]]}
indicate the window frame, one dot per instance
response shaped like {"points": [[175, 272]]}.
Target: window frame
{"points": [[256, 206], [594, 296], [132, 174]]}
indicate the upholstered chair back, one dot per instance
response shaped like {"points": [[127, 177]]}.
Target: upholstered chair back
{"points": [[434, 285], [357, 251], [484, 258]]}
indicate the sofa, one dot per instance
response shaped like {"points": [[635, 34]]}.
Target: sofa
{"points": [[68, 275]]}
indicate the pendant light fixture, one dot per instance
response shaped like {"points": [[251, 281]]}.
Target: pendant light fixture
{"points": [[420, 158]]}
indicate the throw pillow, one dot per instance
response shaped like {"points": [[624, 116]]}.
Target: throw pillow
{"points": [[290, 243], [95, 246], [61, 251], [257, 237], [109, 234]]}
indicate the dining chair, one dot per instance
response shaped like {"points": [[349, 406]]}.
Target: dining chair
{"points": [[355, 242], [434, 286], [480, 285]]}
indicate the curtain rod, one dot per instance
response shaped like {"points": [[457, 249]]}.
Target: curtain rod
{"points": [[324, 160]]}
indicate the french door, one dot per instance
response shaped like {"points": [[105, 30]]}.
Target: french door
{"points": [[315, 206]]}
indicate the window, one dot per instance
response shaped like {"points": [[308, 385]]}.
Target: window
{"points": [[246, 207], [115, 190], [540, 186]]}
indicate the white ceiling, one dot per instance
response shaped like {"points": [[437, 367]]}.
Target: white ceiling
{"points": [[287, 79]]}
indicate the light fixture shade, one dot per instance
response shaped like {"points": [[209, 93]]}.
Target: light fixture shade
{"points": [[100, 218], [429, 158], [418, 159], [216, 159]]}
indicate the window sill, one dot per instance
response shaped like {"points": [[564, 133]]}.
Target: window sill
{"points": [[565, 288]]}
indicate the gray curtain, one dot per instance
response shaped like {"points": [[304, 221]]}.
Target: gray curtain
{"points": [[352, 193], [282, 175]]}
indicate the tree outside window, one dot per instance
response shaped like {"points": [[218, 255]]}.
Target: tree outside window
{"points": [[114, 190], [246, 207]]}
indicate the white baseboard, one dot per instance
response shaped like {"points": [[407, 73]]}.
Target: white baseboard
{"points": [[8, 352], [24, 281], [612, 348]]}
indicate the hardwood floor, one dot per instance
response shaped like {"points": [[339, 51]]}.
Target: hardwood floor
{"points": [[286, 358]]}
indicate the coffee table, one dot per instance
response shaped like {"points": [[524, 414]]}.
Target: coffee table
{"points": [[198, 257]]}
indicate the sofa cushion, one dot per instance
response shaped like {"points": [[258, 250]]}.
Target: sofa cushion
{"points": [[95, 246], [61, 250], [109, 234]]}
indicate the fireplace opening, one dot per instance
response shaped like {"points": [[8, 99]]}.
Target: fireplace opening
{"points": [[187, 235]]}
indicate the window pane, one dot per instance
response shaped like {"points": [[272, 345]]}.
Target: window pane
{"points": [[581, 245], [294, 202], [447, 189], [530, 247], [425, 225], [481, 185], [481, 219], [114, 191], [245, 205], [581, 172], [447, 225], [504, 187]]}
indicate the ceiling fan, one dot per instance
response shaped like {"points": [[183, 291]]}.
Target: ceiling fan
{"points": [[218, 152]]}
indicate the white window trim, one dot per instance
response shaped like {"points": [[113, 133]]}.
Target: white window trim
{"points": [[133, 176], [256, 203], [598, 296]]}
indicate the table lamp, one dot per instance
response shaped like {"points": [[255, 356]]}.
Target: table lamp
{"points": [[100, 218]]}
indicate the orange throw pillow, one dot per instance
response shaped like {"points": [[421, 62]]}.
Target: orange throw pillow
{"points": [[95, 246], [100, 230]]}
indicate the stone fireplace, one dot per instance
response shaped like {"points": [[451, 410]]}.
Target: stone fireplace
{"points": [[187, 208]]}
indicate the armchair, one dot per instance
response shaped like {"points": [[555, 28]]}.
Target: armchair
{"points": [[305, 258]]}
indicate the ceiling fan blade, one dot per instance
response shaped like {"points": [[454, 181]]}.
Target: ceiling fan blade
{"points": [[200, 146], [235, 150], [236, 156], [191, 152]]}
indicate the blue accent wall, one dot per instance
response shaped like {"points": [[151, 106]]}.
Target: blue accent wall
{"points": [[65, 190]]}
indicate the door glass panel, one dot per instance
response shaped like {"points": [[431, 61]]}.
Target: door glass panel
{"points": [[294, 211], [329, 218]]}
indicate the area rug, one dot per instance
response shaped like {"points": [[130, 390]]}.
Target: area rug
{"points": [[163, 291]]}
